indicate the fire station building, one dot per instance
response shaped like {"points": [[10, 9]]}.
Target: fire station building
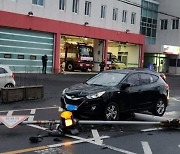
{"points": [[30, 29]]}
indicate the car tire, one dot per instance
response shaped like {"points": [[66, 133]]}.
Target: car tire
{"points": [[9, 85], [111, 112], [70, 66], [160, 107]]}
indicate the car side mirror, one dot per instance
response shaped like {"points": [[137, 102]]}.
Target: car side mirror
{"points": [[125, 85]]}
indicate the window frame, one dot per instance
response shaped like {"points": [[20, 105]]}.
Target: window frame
{"points": [[75, 6], [175, 24], [87, 9], [124, 16], [37, 2], [62, 5], [103, 11], [163, 24], [115, 14], [133, 18]]}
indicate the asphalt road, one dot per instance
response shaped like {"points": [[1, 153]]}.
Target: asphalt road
{"points": [[107, 139]]}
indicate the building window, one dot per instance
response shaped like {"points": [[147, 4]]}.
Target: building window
{"points": [[20, 56], [124, 16], [7, 56], [38, 2], [115, 14], [32, 57], [133, 17], [62, 4], [87, 8], [175, 23], [75, 6], [164, 23], [103, 11]]}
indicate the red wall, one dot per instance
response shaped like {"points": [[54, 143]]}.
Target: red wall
{"points": [[8, 19]]}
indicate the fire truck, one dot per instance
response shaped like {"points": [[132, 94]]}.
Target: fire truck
{"points": [[77, 56]]}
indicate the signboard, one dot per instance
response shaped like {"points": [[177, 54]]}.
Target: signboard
{"points": [[12, 121], [167, 49]]}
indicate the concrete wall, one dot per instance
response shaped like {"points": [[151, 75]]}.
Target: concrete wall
{"points": [[51, 10]]}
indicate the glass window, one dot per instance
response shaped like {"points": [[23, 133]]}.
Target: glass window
{"points": [[143, 30], [148, 32], [153, 32], [146, 78], [164, 23], [115, 14], [133, 80], [124, 16], [62, 4], [2, 70], [87, 8], [133, 17], [75, 6], [20, 56], [175, 23], [103, 11], [106, 79], [38, 2]]}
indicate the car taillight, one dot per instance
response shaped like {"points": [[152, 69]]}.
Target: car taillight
{"points": [[163, 76], [13, 75]]}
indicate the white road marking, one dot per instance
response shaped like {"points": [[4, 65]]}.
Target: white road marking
{"points": [[146, 147], [10, 113], [103, 145], [85, 140], [31, 117], [74, 142], [179, 146], [175, 99], [32, 109], [150, 129], [60, 109], [96, 136]]}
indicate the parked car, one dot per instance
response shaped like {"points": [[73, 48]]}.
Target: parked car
{"points": [[117, 64], [6, 77], [112, 92]]}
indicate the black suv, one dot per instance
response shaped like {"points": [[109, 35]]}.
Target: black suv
{"points": [[112, 92]]}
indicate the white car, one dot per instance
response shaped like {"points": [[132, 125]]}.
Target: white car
{"points": [[6, 77]]}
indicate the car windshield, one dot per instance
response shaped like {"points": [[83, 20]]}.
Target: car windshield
{"points": [[106, 79], [85, 51]]}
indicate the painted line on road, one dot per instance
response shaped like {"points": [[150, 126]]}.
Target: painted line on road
{"points": [[10, 113], [44, 108], [37, 149], [103, 145], [33, 111], [150, 129], [175, 99], [96, 136], [146, 147]]}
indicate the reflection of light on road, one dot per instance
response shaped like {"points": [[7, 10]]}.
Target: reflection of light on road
{"points": [[67, 143], [175, 99]]}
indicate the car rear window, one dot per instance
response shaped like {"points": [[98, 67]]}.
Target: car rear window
{"points": [[2, 70], [148, 78]]}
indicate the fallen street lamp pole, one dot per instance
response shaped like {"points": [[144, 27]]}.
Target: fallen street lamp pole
{"points": [[146, 117], [97, 122]]}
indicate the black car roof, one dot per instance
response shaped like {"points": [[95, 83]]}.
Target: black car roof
{"points": [[132, 70]]}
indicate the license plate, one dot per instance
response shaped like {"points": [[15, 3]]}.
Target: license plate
{"points": [[87, 64], [71, 107]]}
